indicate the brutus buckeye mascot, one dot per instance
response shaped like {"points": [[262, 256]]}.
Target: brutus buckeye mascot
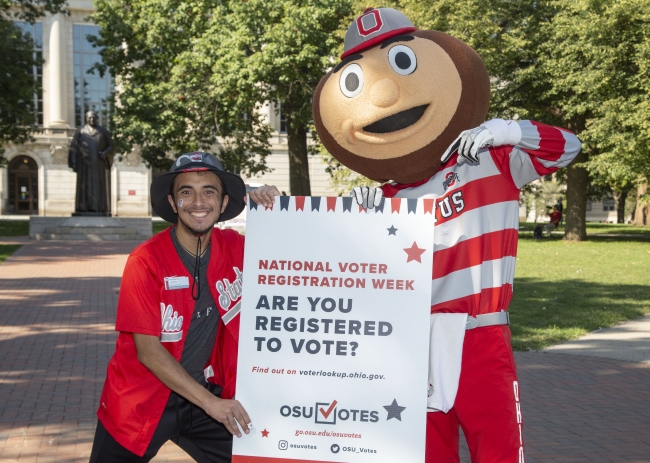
{"points": [[408, 107]]}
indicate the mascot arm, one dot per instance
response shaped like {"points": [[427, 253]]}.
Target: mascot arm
{"points": [[495, 132], [542, 150]]}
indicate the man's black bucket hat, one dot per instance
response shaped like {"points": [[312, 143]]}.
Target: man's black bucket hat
{"points": [[193, 162]]}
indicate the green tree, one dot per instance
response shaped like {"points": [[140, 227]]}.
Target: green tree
{"points": [[17, 83], [598, 70], [188, 71], [270, 50], [579, 64], [161, 107]]}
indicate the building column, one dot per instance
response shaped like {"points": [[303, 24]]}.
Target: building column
{"points": [[57, 73], [41, 189], [114, 187]]}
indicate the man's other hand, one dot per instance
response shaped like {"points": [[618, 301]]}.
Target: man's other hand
{"points": [[264, 195], [229, 413]]}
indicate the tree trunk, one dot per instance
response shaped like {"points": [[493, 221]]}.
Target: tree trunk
{"points": [[620, 197], [576, 198], [642, 212], [298, 163]]}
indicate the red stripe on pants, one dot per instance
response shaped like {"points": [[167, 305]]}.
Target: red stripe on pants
{"points": [[485, 405]]}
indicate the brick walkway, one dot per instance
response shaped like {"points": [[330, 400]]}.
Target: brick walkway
{"points": [[57, 309]]}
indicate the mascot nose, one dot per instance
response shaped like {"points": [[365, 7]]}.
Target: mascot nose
{"points": [[384, 93]]}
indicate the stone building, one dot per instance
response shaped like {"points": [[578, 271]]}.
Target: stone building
{"points": [[37, 180]]}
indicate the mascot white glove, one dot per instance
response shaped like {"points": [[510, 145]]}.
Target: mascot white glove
{"points": [[495, 132], [368, 197]]}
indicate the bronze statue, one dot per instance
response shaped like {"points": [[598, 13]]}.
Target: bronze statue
{"points": [[91, 157]]}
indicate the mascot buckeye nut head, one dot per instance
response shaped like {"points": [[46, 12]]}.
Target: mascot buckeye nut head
{"points": [[399, 97]]}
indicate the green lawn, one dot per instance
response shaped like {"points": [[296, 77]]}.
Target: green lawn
{"points": [[564, 290], [594, 228], [6, 250], [14, 227], [157, 227]]}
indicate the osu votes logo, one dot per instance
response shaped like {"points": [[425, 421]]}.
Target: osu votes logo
{"points": [[329, 413]]}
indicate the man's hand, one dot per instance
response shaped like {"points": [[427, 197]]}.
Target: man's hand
{"points": [[468, 144], [229, 413], [166, 368], [367, 197], [264, 195]]}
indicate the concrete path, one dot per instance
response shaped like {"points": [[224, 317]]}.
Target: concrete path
{"points": [[629, 341], [57, 310], [57, 313]]}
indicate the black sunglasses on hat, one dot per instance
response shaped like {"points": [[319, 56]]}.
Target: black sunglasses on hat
{"points": [[195, 162]]}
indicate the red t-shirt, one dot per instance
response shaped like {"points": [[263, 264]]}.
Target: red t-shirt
{"points": [[156, 299], [555, 217]]}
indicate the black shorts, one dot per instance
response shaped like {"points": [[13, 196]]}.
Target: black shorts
{"points": [[182, 422]]}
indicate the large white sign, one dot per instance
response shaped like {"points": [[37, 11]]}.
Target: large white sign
{"points": [[334, 333]]}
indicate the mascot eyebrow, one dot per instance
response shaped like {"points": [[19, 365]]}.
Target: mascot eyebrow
{"points": [[346, 61], [399, 38]]}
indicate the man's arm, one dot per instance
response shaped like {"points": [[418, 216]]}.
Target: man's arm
{"points": [[169, 371]]}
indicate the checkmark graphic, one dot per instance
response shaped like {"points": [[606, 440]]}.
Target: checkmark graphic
{"points": [[329, 410]]}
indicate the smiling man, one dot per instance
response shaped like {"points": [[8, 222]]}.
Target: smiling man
{"points": [[177, 331]]}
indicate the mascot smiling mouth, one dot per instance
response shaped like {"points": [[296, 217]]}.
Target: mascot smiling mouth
{"points": [[398, 121]]}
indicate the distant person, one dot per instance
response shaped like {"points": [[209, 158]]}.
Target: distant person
{"points": [[560, 208], [555, 218], [174, 321]]}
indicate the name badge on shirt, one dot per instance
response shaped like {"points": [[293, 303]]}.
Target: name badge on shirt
{"points": [[177, 283]]}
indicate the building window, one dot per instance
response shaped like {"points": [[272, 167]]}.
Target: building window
{"points": [[283, 119], [609, 204], [91, 92], [588, 206], [35, 31]]}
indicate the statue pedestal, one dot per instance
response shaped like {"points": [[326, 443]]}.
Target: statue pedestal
{"points": [[90, 228], [91, 214]]}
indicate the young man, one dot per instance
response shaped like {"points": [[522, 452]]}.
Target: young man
{"points": [[555, 218], [173, 320]]}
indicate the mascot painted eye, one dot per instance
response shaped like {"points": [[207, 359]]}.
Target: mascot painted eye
{"points": [[351, 80], [402, 60]]}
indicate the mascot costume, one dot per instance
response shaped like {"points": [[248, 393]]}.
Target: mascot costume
{"points": [[408, 107]]}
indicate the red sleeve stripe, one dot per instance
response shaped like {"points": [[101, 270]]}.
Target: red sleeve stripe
{"points": [[501, 157], [478, 193], [468, 253], [551, 142], [541, 169], [487, 301]]}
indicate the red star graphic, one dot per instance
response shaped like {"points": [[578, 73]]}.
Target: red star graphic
{"points": [[414, 253], [265, 433]]}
